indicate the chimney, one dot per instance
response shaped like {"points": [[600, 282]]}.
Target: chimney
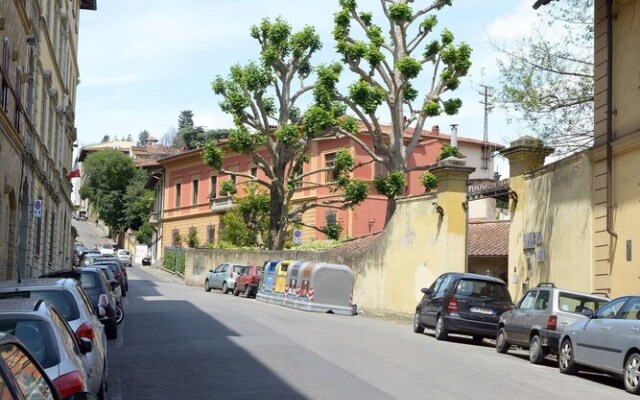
{"points": [[454, 135], [435, 130]]}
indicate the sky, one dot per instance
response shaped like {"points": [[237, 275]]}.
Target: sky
{"points": [[142, 62]]}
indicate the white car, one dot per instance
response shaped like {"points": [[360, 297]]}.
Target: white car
{"points": [[106, 249], [124, 256]]}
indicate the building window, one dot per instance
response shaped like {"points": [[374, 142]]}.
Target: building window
{"points": [[175, 238], [52, 237], [329, 160], [38, 235], [211, 234], [4, 100], [194, 193], [178, 194], [254, 172], [18, 97], [214, 187]]}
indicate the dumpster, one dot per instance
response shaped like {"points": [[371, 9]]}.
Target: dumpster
{"points": [[313, 286], [268, 276]]}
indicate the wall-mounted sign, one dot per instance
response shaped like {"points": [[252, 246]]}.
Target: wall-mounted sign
{"points": [[37, 208], [529, 240]]}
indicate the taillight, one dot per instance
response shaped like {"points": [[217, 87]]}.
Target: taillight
{"points": [[85, 331], [453, 306], [254, 279], [552, 322], [69, 384], [103, 300], [231, 274]]}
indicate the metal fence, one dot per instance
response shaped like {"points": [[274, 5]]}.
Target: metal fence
{"points": [[174, 259]]}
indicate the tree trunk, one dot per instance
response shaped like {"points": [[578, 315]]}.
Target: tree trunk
{"points": [[391, 209], [277, 219]]}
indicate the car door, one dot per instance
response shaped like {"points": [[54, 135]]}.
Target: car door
{"points": [[589, 342], [435, 299], [515, 326], [218, 276], [621, 333]]}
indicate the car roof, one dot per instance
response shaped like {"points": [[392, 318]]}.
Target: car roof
{"points": [[467, 275], [23, 284], [8, 306], [578, 293]]}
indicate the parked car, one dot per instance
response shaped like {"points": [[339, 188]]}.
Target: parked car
{"points": [[462, 303], [117, 289], [48, 337], [71, 301], [607, 341], [223, 277], [248, 280], [540, 317], [146, 261], [124, 256], [106, 249], [100, 293], [24, 378], [88, 257], [118, 270]]}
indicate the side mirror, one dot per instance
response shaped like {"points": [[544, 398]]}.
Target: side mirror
{"points": [[425, 290], [85, 345], [587, 313], [211, 271]]}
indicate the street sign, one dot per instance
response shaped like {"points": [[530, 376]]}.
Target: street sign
{"points": [[37, 208], [297, 236]]}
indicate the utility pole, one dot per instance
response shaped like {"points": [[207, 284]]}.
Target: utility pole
{"points": [[487, 94]]}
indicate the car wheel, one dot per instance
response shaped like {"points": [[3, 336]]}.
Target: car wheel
{"points": [[417, 328], [536, 351], [225, 288], [565, 359], [112, 331], [632, 374], [247, 292], [236, 292], [502, 346], [124, 292], [102, 395], [206, 286], [119, 314], [441, 332]]}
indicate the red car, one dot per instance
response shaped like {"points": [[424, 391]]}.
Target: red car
{"points": [[247, 281]]}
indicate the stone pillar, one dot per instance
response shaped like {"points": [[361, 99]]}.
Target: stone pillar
{"points": [[452, 207], [525, 154]]}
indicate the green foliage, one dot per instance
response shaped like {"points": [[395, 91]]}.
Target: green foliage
{"points": [[174, 260], [333, 230], [139, 201], [228, 188], [449, 151], [366, 96], [248, 222], [429, 181], [143, 136], [391, 186], [185, 120], [144, 234], [192, 238], [400, 12], [213, 155]]}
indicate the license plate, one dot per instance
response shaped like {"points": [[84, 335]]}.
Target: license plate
{"points": [[480, 310]]}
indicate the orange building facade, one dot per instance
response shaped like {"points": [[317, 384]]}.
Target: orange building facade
{"points": [[188, 198]]}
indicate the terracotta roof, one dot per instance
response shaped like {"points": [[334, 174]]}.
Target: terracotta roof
{"points": [[489, 238], [356, 245]]}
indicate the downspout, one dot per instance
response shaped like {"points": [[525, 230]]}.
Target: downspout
{"points": [[609, 114]]}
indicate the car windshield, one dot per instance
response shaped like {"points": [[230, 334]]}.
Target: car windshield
{"points": [[238, 269], [62, 300], [576, 303], [88, 280], [36, 336], [480, 288]]}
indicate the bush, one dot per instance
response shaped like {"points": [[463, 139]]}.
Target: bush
{"points": [[429, 181], [449, 151]]}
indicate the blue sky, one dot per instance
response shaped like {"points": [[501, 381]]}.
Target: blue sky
{"points": [[142, 62]]}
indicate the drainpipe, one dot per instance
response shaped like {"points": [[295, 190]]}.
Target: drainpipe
{"points": [[609, 114]]}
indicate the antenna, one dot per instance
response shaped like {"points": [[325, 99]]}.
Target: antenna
{"points": [[488, 106]]}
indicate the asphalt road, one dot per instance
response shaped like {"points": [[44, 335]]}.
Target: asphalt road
{"points": [[179, 342]]}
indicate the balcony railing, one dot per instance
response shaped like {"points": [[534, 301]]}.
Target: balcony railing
{"points": [[221, 204]]}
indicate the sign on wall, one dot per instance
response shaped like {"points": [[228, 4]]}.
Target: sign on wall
{"points": [[37, 208]]}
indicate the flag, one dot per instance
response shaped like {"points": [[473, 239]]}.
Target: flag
{"points": [[74, 174]]}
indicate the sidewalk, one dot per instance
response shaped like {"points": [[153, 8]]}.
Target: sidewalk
{"points": [[164, 274]]}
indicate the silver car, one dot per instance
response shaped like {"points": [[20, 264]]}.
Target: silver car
{"points": [[50, 340], [223, 277], [608, 341], [68, 297]]}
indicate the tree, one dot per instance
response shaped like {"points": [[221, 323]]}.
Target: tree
{"points": [[390, 75], [129, 138], [185, 120], [547, 77], [139, 200], [262, 97], [248, 222], [107, 177], [105, 139], [143, 137]]}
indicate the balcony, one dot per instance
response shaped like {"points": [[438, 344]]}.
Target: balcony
{"points": [[221, 204], [154, 218]]}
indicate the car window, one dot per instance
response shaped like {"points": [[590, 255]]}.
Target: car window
{"points": [[31, 381], [542, 300], [219, 268], [482, 288], [241, 269], [68, 337], [436, 285], [62, 300], [631, 309], [611, 309], [36, 337], [225, 268], [528, 300], [444, 285], [577, 303], [85, 299], [88, 280]]}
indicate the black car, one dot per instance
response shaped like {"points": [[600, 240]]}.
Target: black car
{"points": [[146, 261], [118, 269], [99, 289], [462, 303]]}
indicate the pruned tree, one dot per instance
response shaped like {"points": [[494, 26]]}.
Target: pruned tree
{"points": [[143, 137], [248, 222], [271, 128], [392, 81], [546, 78]]}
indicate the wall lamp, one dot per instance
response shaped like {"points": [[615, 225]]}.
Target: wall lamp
{"points": [[513, 196], [439, 209]]}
